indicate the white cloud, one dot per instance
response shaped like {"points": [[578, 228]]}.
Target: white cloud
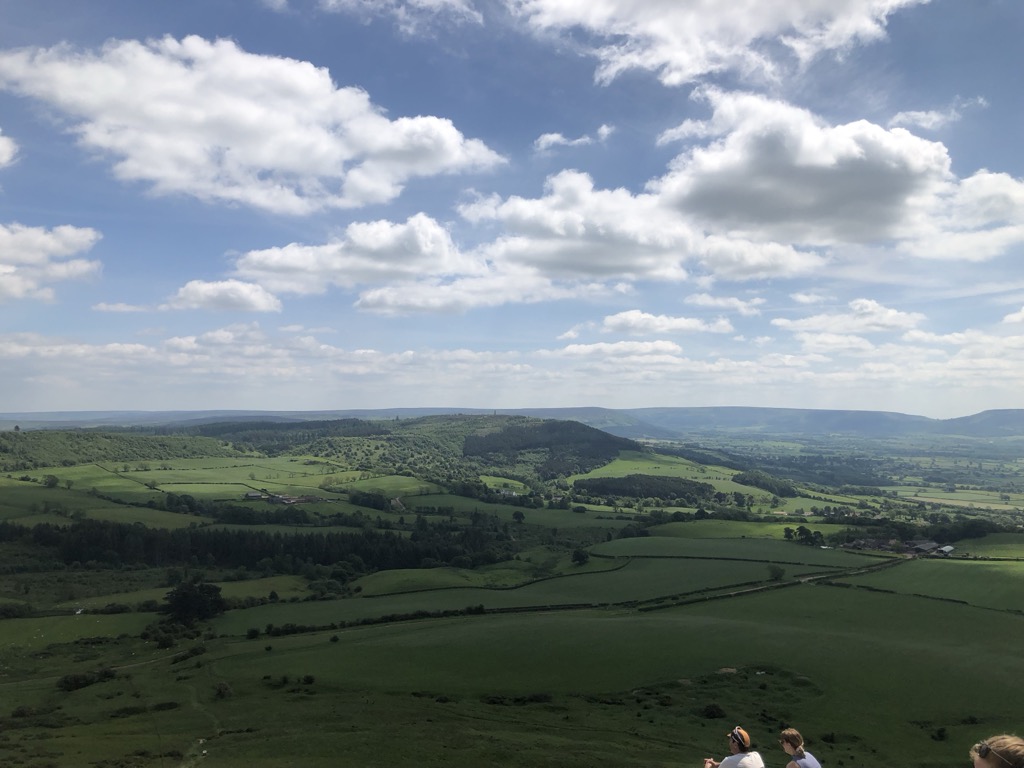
{"points": [[746, 308], [638, 323], [807, 297], [31, 258], [935, 119], [767, 171], [224, 294], [8, 150], [778, 172], [739, 259], [1015, 317], [547, 141], [827, 343], [865, 316], [509, 284], [685, 40], [210, 120], [368, 252], [618, 349], [574, 332], [577, 231], [118, 307], [410, 15]]}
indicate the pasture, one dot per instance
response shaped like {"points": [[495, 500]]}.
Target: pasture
{"points": [[758, 550], [988, 584], [550, 518], [995, 545], [637, 463], [637, 581], [738, 529], [868, 677]]}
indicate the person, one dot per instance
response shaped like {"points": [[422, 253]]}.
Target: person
{"points": [[793, 745], [1001, 751], [742, 756]]}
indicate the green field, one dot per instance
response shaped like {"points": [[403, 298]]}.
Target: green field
{"points": [[983, 583], [760, 550], [610, 688], [550, 518], [636, 463], [285, 586], [571, 647], [994, 545], [728, 529]]}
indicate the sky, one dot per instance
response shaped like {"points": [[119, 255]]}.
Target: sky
{"points": [[337, 204]]}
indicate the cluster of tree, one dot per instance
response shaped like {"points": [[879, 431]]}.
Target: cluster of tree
{"points": [[194, 601], [570, 447], [275, 438], [764, 481], [476, 489], [705, 456], [115, 544], [679, 489], [804, 535], [370, 500], [29, 449]]}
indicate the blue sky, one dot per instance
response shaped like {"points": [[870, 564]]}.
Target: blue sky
{"points": [[328, 204]]}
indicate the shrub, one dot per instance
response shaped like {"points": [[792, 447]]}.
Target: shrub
{"points": [[712, 711]]}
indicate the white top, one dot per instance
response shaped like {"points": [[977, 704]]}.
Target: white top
{"points": [[743, 760]]}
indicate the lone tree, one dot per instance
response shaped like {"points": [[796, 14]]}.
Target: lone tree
{"points": [[195, 601], [580, 556]]}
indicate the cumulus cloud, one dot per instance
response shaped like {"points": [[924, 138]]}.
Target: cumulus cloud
{"points": [[32, 258], [616, 349], [368, 252], [410, 15], [828, 343], [224, 294], [509, 284], [682, 41], [576, 230], [8, 150], [775, 171], [638, 323], [807, 297], [747, 308], [210, 120], [935, 119], [1015, 317], [767, 171], [547, 141], [865, 316], [104, 306]]}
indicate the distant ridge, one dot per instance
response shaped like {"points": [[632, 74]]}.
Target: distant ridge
{"points": [[653, 422]]}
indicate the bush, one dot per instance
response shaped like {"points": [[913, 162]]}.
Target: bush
{"points": [[77, 680], [712, 712]]}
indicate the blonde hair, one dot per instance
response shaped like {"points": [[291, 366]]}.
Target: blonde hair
{"points": [[1001, 751], [792, 737]]}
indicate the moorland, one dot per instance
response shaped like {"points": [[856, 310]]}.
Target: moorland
{"points": [[398, 589]]}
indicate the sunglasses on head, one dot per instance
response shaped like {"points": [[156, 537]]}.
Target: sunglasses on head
{"points": [[735, 736], [983, 750]]}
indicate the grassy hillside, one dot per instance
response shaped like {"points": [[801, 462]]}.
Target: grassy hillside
{"points": [[447, 591]]}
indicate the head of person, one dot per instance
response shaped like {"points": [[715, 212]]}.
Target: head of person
{"points": [[791, 741], [739, 740], [1002, 751]]}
